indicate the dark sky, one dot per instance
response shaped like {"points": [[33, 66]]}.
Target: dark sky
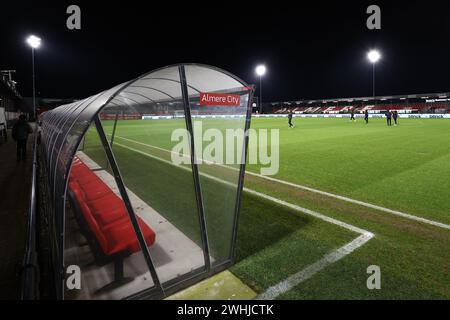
{"points": [[315, 50]]}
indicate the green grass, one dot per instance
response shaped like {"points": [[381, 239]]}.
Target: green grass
{"points": [[405, 168], [170, 191]]}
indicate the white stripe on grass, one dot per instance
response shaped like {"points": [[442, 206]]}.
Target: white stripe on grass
{"points": [[324, 193], [361, 203], [294, 280]]}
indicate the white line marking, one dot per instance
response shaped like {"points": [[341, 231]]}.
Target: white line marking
{"points": [[309, 271], [261, 195], [294, 280], [328, 194], [361, 203], [307, 211]]}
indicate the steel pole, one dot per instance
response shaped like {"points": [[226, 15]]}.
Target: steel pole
{"points": [[260, 95], [373, 81], [34, 88]]}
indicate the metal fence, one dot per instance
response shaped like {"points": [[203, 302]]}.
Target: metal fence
{"points": [[30, 268]]}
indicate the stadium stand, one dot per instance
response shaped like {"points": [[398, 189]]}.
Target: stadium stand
{"points": [[431, 103]]}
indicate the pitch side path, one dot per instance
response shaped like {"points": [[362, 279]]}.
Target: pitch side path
{"points": [[15, 183]]}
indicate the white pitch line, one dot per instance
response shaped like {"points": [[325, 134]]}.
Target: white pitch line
{"points": [[305, 274], [307, 211], [361, 203], [258, 194], [328, 194], [309, 271]]}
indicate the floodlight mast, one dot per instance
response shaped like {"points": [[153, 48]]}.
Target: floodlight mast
{"points": [[34, 42], [260, 71], [374, 56]]}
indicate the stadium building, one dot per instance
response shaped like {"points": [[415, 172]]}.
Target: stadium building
{"points": [[436, 103], [10, 99]]}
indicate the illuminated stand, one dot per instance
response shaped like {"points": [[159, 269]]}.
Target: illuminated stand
{"points": [[137, 224]]}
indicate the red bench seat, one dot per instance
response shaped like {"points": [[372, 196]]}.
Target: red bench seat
{"points": [[105, 218], [106, 210]]}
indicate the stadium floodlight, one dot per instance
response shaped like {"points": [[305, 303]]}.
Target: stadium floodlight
{"points": [[374, 56], [34, 42], [260, 71]]}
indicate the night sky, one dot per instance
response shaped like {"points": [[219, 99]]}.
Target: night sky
{"points": [[315, 50]]}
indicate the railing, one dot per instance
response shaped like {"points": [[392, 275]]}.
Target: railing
{"points": [[30, 269]]}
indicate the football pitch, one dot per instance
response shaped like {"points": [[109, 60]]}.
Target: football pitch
{"points": [[347, 196]]}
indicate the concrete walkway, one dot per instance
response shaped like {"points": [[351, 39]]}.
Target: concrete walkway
{"points": [[15, 183], [222, 286]]}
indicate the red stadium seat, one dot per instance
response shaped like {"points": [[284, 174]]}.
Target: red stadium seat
{"points": [[106, 210], [119, 236], [110, 232], [95, 190]]}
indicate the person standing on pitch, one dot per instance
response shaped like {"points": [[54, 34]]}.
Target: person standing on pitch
{"points": [[352, 118], [366, 116], [395, 116], [389, 118], [290, 115]]}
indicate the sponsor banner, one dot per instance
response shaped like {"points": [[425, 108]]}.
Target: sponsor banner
{"points": [[158, 117], [220, 99], [229, 116], [233, 116], [428, 116], [404, 116]]}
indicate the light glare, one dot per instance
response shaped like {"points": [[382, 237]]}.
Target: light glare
{"points": [[34, 42], [374, 56], [261, 70]]}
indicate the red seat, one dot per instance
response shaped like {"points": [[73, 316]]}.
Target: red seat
{"points": [[109, 202], [105, 210], [106, 224], [87, 177], [119, 236], [105, 213], [108, 209], [95, 190], [80, 171]]}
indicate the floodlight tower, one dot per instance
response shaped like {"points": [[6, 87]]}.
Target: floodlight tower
{"points": [[260, 71], [34, 42], [374, 56]]}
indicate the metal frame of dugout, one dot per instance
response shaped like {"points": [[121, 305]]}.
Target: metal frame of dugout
{"points": [[211, 212]]}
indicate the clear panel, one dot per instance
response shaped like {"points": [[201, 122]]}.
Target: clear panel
{"points": [[92, 147], [219, 133], [161, 191], [99, 237]]}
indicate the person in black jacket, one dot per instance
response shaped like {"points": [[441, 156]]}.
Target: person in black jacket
{"points": [[389, 118], [3, 133], [20, 132], [352, 115], [290, 115], [395, 116], [366, 116]]}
